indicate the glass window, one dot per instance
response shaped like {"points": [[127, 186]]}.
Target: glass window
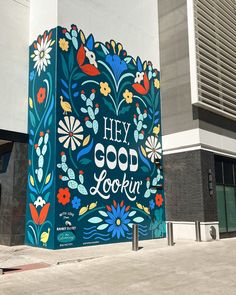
{"points": [[221, 208], [219, 172], [228, 173], [230, 208]]}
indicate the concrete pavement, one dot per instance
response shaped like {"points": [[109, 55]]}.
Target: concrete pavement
{"points": [[187, 268]]}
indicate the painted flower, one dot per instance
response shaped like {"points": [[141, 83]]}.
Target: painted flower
{"points": [[141, 82], [39, 202], [63, 44], [128, 96], [104, 88], [151, 204], [153, 148], [72, 35], [90, 56], [156, 129], [139, 77], [71, 132], [114, 59], [118, 220], [41, 217], [41, 55], [157, 83], [76, 203], [63, 196], [41, 95], [158, 200], [87, 68]]}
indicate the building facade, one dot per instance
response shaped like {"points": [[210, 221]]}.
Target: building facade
{"points": [[192, 43]]}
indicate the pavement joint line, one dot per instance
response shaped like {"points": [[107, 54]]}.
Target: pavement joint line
{"points": [[77, 260]]}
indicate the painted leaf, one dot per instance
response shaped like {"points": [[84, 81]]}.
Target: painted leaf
{"points": [[31, 103], [82, 37], [144, 169], [86, 140], [85, 161], [43, 214], [82, 189], [95, 126], [30, 237], [46, 197], [147, 194], [81, 178], [136, 135], [138, 219], [125, 110], [32, 119], [143, 151], [48, 178], [85, 150], [103, 213], [71, 60], [95, 220], [132, 213], [64, 67], [102, 226], [32, 180]]}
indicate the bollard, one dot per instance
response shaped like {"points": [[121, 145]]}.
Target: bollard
{"points": [[1, 271], [135, 238], [170, 234], [198, 231]]}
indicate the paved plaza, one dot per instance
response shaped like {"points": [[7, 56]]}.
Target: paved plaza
{"points": [[186, 268]]}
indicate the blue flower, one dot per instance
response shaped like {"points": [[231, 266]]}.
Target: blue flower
{"points": [[76, 202], [118, 221], [151, 204], [117, 65], [31, 75]]}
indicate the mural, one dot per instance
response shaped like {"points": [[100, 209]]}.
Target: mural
{"points": [[95, 155]]}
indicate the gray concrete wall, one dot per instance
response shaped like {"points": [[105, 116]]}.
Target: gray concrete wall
{"points": [[186, 186], [13, 196], [177, 111]]}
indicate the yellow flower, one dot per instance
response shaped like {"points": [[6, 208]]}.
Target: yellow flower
{"points": [[128, 96], [104, 88], [157, 83], [64, 45], [156, 129]]}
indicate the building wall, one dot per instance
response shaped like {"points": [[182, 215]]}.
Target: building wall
{"points": [[14, 22], [177, 111]]}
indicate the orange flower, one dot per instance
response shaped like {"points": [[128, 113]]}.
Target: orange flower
{"points": [[41, 95], [63, 196], [39, 218], [159, 200]]}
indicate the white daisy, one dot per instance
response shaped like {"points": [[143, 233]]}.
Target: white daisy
{"points": [[71, 131], [39, 202], [41, 54], [153, 148]]}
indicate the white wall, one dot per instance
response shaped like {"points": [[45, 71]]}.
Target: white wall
{"points": [[134, 23], [14, 24]]}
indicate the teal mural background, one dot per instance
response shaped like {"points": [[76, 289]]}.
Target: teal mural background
{"points": [[87, 183]]}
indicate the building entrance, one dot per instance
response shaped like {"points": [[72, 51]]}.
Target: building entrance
{"points": [[226, 194]]}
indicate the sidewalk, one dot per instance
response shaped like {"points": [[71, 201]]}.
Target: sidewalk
{"points": [[187, 268]]}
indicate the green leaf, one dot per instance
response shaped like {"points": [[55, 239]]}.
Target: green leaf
{"points": [[32, 119], [64, 67], [144, 169], [30, 238], [78, 76], [71, 60], [125, 110], [109, 105], [85, 161]]}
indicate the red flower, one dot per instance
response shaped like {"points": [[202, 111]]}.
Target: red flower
{"points": [[63, 196], [142, 89], [108, 208], [81, 172], [41, 95], [87, 68], [159, 200], [39, 218]]}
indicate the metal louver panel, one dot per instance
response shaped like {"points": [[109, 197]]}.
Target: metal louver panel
{"points": [[215, 37]]}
